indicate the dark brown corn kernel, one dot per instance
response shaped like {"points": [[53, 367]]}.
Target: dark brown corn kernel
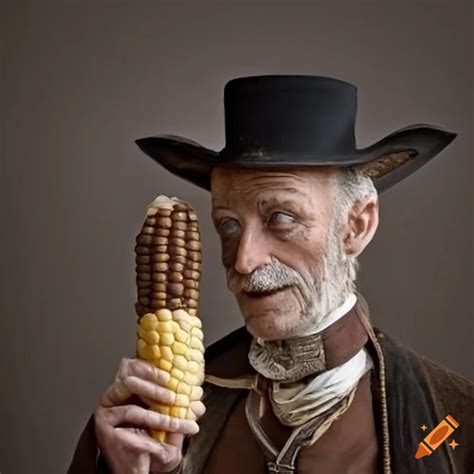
{"points": [[177, 267], [177, 251], [176, 277], [193, 245], [158, 277], [175, 289], [192, 274]]}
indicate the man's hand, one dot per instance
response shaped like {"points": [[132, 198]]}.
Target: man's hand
{"points": [[121, 425]]}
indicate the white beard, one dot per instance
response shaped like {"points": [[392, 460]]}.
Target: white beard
{"points": [[332, 288]]}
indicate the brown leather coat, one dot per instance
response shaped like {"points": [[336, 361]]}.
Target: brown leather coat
{"points": [[379, 433]]}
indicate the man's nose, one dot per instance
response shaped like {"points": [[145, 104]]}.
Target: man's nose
{"points": [[252, 252]]}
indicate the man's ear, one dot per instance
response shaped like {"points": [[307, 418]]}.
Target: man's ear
{"points": [[362, 222]]}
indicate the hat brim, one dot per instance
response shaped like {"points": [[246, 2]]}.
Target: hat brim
{"points": [[381, 161]]}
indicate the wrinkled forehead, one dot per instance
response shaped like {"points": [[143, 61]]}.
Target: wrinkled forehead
{"points": [[251, 183]]}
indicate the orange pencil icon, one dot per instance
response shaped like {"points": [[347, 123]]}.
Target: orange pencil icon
{"points": [[437, 435]]}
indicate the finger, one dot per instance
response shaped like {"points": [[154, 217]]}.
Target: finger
{"points": [[143, 370], [136, 416], [140, 443], [149, 390], [116, 394], [197, 393], [174, 446], [175, 439], [120, 391], [148, 401], [174, 455], [198, 409], [125, 444]]}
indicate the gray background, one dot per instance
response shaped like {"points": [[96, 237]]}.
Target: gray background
{"points": [[82, 80]]}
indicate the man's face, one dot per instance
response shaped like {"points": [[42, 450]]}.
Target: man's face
{"points": [[274, 228]]}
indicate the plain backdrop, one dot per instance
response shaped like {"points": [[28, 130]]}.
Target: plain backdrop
{"points": [[81, 80]]}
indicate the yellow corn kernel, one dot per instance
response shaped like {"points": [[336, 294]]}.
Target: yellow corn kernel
{"points": [[182, 336], [180, 315], [148, 352], [190, 379], [142, 347], [167, 353], [165, 365], [180, 348], [195, 321], [180, 362], [167, 339], [193, 367], [181, 400], [164, 315], [166, 327], [196, 332], [194, 355], [196, 343], [185, 326], [183, 387], [173, 384], [155, 353], [178, 412], [150, 336], [175, 327], [177, 374], [163, 409], [149, 322]]}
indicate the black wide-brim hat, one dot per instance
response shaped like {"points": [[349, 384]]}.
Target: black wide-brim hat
{"points": [[286, 121]]}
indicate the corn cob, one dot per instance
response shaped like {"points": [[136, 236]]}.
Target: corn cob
{"points": [[168, 266]]}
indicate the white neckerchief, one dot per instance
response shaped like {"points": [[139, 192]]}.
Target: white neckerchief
{"points": [[294, 404], [332, 317]]}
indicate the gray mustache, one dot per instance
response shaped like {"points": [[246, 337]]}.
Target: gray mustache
{"points": [[270, 278]]}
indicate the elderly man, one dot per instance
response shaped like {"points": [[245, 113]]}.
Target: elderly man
{"points": [[308, 385]]}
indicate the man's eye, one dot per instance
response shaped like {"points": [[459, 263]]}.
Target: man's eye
{"points": [[229, 227], [281, 218]]}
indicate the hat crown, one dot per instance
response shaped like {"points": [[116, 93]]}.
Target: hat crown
{"points": [[289, 114]]}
